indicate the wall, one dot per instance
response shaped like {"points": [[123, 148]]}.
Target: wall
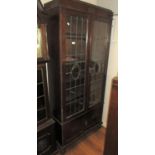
{"points": [[45, 1], [109, 4], [88, 1], [113, 60], [112, 68]]}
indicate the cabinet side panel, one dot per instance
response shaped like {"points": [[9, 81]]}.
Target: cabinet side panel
{"points": [[106, 65], [111, 141], [54, 69]]}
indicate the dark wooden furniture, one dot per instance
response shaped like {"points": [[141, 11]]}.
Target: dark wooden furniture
{"points": [[46, 141], [111, 141], [78, 38]]}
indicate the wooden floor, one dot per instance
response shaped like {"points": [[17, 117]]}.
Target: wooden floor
{"points": [[92, 144]]}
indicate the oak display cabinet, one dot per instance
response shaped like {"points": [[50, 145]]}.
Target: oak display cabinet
{"points": [[78, 39]]}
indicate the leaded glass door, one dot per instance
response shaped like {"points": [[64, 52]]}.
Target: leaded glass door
{"points": [[42, 99], [98, 61], [74, 70]]}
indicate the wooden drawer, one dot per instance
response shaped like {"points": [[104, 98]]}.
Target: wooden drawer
{"points": [[78, 126], [46, 142], [73, 129]]}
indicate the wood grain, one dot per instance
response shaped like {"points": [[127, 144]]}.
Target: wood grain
{"points": [[111, 139], [92, 144]]}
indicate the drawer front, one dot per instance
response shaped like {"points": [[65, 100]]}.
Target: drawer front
{"points": [[78, 126], [73, 129], [91, 119], [46, 142]]}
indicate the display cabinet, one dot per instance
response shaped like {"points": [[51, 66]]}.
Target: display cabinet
{"points": [[46, 142], [78, 38]]}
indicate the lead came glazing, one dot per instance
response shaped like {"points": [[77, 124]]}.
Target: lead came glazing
{"points": [[75, 62]]}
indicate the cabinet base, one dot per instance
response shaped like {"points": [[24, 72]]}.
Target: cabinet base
{"points": [[62, 148]]}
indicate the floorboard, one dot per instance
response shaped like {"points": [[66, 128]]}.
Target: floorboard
{"points": [[92, 144]]}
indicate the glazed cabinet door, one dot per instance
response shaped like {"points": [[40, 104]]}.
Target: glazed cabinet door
{"points": [[98, 59], [42, 94], [74, 63]]}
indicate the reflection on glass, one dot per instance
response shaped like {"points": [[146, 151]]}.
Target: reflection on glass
{"points": [[41, 108], [75, 38], [97, 63], [39, 43], [75, 64]]}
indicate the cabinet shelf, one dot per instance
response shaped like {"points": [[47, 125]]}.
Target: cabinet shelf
{"points": [[40, 109], [40, 96], [76, 36], [74, 114], [39, 83]]}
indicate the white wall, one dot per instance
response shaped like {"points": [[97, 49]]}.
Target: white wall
{"points": [[109, 4], [113, 55], [112, 68], [89, 1], [45, 1]]}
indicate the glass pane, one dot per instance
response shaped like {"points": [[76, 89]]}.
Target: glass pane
{"points": [[39, 43], [40, 90], [97, 62], [39, 75], [41, 115], [40, 102], [75, 64]]}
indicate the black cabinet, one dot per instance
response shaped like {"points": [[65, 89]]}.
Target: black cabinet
{"points": [[46, 141], [78, 38]]}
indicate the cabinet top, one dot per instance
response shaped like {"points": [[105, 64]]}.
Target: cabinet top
{"points": [[77, 5]]}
